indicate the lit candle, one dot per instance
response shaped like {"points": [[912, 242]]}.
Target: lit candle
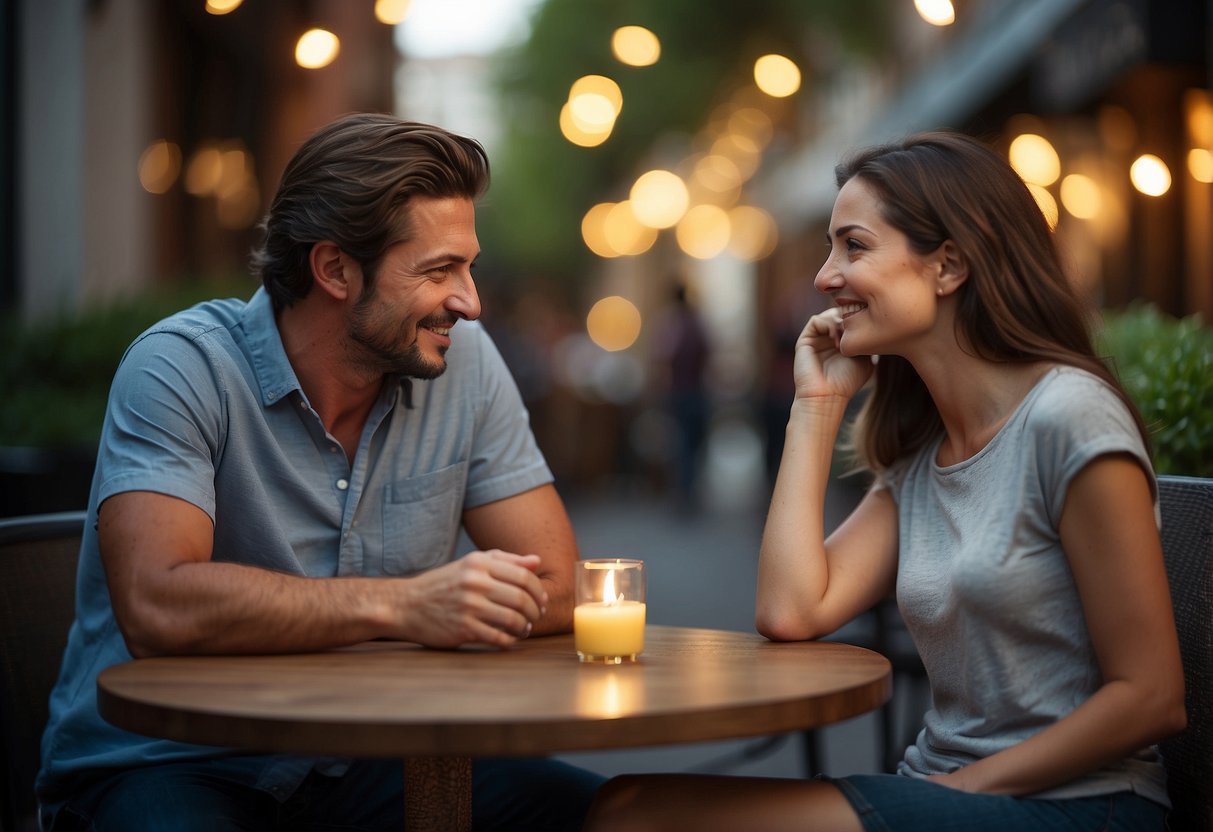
{"points": [[608, 620]]}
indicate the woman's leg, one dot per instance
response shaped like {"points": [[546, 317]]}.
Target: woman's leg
{"points": [[705, 803]]}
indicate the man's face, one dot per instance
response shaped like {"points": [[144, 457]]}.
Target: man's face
{"points": [[423, 286]]}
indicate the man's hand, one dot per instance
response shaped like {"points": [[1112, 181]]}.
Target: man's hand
{"points": [[491, 598]]}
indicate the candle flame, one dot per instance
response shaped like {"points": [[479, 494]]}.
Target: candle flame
{"points": [[609, 595]]}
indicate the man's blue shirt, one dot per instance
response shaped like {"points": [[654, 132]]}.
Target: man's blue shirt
{"points": [[206, 407]]}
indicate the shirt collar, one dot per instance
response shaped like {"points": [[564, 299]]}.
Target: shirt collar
{"points": [[275, 375], [274, 372]]}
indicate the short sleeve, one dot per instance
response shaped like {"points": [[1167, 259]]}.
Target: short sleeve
{"points": [[1076, 422], [505, 458], [163, 423]]}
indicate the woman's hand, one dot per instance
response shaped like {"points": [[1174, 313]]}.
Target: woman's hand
{"points": [[820, 369]]}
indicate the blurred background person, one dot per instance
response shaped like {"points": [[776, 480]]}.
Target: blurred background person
{"points": [[681, 353]]}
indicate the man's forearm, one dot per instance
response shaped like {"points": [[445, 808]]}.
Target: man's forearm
{"points": [[216, 607]]}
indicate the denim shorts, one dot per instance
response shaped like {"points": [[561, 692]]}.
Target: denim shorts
{"points": [[897, 803]]}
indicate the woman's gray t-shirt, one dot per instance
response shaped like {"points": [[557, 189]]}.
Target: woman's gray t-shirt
{"points": [[986, 590]]}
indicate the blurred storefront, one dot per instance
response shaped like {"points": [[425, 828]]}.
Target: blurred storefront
{"points": [[143, 139]]}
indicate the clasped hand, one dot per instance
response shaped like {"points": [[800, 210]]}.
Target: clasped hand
{"points": [[492, 597]]}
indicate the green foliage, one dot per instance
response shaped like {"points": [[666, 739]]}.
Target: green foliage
{"points": [[56, 374], [1166, 365]]}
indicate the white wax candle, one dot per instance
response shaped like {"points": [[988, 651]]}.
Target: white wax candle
{"points": [[601, 629]]}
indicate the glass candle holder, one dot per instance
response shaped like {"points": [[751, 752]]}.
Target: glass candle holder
{"points": [[608, 619]]}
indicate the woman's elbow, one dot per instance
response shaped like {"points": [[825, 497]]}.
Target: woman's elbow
{"points": [[1163, 711], [1174, 716], [785, 624]]}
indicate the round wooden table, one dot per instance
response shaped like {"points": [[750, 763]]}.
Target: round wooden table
{"points": [[438, 709]]}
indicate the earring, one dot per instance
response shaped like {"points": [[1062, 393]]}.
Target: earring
{"points": [[939, 292]]}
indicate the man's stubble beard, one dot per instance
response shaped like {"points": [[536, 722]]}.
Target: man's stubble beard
{"points": [[381, 353]]}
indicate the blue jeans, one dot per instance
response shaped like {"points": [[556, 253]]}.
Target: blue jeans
{"points": [[207, 795], [894, 802]]}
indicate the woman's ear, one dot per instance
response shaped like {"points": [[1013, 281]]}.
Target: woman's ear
{"points": [[953, 269], [332, 270]]}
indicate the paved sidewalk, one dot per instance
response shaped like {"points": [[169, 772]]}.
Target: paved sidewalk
{"points": [[702, 572]]}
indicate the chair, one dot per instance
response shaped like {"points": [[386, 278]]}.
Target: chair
{"points": [[1187, 543], [38, 555]]}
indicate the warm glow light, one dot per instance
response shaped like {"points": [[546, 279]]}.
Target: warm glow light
{"points": [[1199, 105], [609, 596], [659, 198], [703, 232], [753, 234], [588, 117], [204, 171], [316, 48], [159, 166], [578, 136], [1046, 202], [717, 173], [625, 234], [613, 323], [635, 46], [592, 113], [601, 85], [235, 171], [593, 230], [1034, 159], [607, 696], [392, 12], [1200, 165], [742, 151], [222, 6], [1150, 175], [752, 123], [936, 12], [1080, 195], [776, 75]]}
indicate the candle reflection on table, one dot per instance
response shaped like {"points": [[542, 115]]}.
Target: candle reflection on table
{"points": [[608, 692]]}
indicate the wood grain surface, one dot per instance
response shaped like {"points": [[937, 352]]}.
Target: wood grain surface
{"points": [[393, 699]]}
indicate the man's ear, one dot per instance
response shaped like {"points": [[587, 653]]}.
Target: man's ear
{"points": [[332, 270], [953, 269]]}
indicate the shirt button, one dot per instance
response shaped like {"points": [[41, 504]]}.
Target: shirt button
{"points": [[343, 484]]}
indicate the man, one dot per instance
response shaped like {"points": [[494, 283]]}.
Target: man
{"points": [[290, 474]]}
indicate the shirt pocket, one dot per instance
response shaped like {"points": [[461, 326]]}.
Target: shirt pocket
{"points": [[421, 518]]}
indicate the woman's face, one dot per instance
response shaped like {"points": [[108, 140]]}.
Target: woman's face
{"points": [[887, 292]]}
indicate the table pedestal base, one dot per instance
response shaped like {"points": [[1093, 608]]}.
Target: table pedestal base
{"points": [[438, 793]]}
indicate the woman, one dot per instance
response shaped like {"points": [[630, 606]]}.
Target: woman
{"points": [[1012, 512]]}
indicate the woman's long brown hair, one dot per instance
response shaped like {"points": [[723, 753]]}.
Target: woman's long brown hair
{"points": [[1016, 306]]}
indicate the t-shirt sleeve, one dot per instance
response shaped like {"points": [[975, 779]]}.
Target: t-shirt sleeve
{"points": [[1075, 423], [505, 459], [162, 427]]}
